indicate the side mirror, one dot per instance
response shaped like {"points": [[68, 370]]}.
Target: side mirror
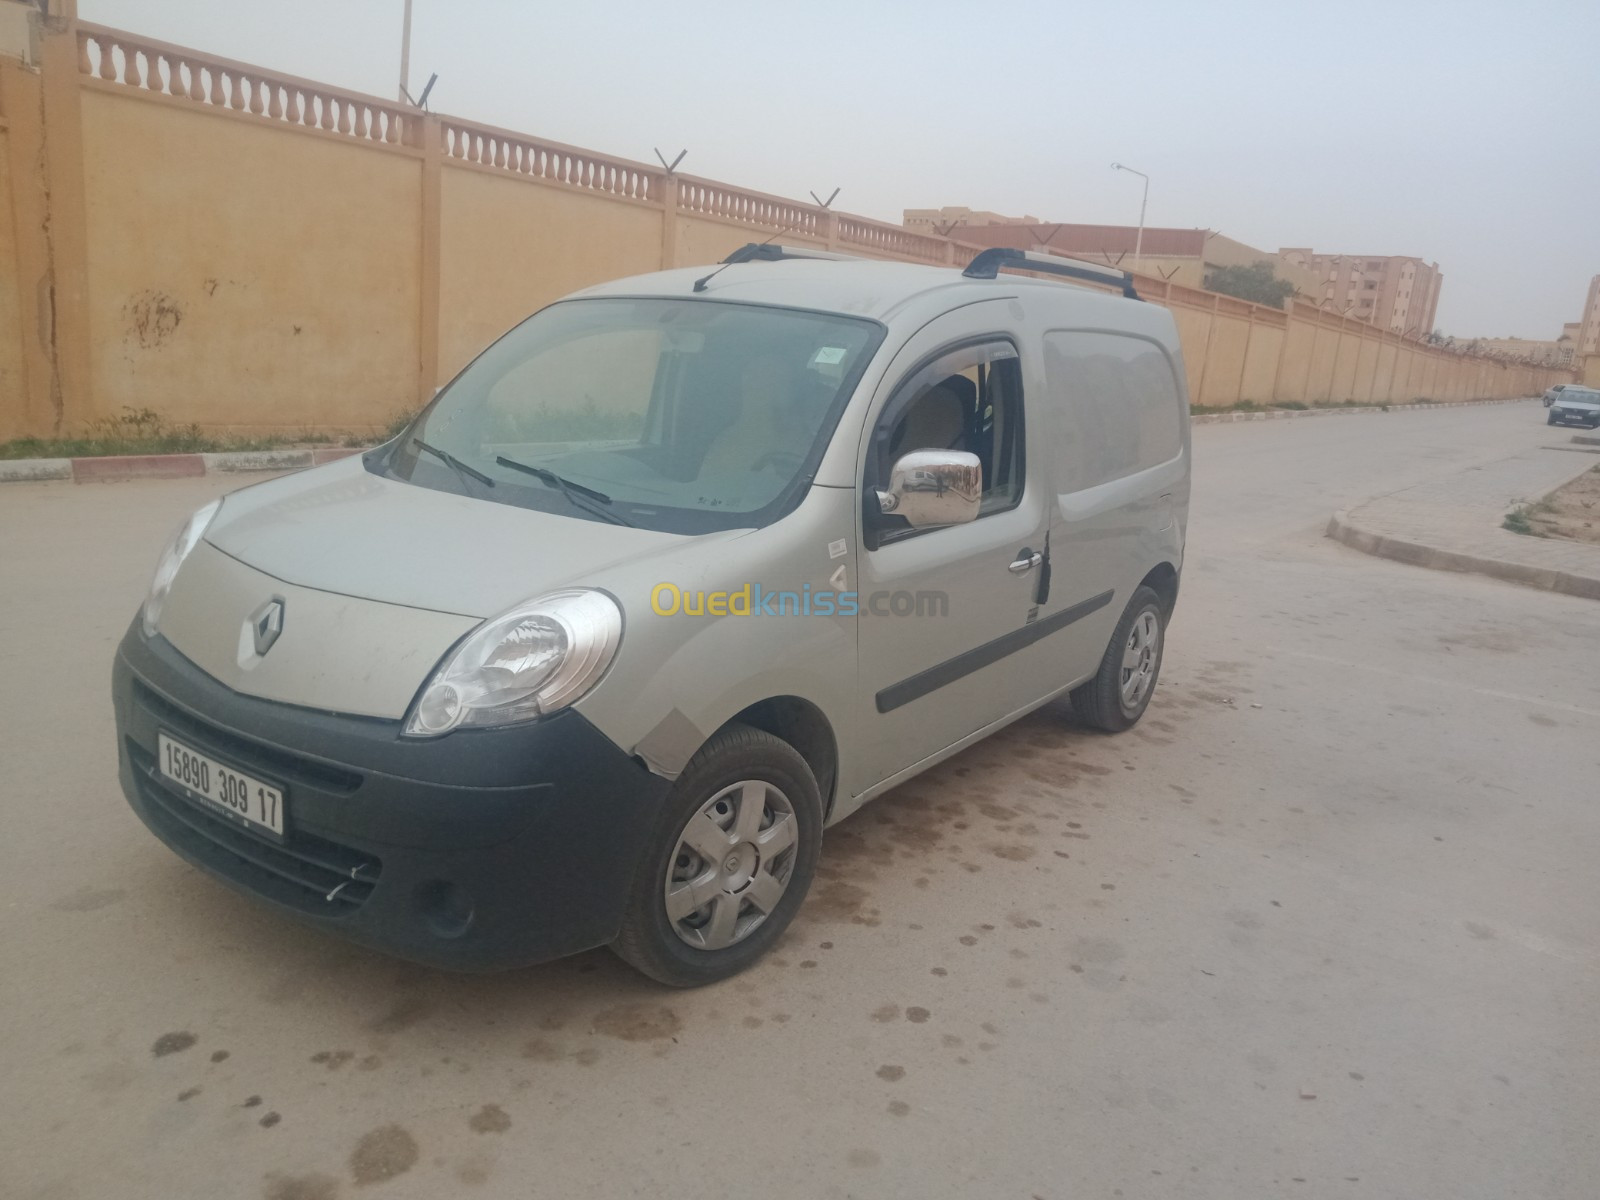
{"points": [[934, 487]]}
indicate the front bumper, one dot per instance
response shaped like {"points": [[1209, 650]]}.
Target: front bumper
{"points": [[479, 850]]}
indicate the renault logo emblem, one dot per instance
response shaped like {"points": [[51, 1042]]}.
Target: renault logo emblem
{"points": [[266, 623]]}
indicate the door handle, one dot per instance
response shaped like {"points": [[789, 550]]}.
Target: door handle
{"points": [[1027, 560]]}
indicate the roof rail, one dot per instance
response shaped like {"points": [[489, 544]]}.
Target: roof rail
{"points": [[772, 252], [987, 263]]}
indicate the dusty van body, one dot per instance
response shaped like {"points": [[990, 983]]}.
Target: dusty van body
{"points": [[684, 568]]}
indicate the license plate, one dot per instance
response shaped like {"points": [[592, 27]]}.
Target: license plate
{"points": [[244, 798]]}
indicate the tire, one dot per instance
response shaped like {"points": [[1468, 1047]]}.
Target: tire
{"points": [[760, 886], [1551, 419], [1103, 702]]}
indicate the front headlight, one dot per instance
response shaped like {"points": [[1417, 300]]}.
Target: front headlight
{"points": [[185, 540], [531, 660]]}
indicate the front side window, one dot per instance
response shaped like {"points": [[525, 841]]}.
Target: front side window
{"points": [[967, 399], [681, 415]]}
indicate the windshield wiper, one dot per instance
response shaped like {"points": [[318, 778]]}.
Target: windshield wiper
{"points": [[556, 481], [450, 460], [587, 498]]}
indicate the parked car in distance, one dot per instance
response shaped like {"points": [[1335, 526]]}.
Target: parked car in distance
{"points": [[1552, 393], [1575, 406], [682, 569]]}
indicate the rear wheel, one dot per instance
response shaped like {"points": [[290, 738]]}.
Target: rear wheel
{"points": [[729, 863], [1119, 693]]}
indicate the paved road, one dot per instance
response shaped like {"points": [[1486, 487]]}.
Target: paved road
{"points": [[1454, 523], [1342, 944]]}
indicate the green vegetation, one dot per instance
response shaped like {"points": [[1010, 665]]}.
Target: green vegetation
{"points": [[144, 431], [1517, 519], [1256, 283], [395, 427]]}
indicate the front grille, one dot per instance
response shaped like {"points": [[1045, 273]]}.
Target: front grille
{"points": [[306, 872], [291, 768]]}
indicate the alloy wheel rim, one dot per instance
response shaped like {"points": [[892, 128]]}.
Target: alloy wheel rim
{"points": [[732, 865], [1139, 659]]}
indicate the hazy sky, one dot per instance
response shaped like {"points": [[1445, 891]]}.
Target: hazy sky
{"points": [[1463, 133]]}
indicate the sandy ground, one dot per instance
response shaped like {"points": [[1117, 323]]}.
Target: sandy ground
{"points": [[1572, 512], [1323, 926]]}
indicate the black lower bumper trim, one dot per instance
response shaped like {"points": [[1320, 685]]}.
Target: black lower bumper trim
{"points": [[318, 877], [479, 850]]}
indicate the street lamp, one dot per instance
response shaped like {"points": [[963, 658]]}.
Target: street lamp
{"points": [[1138, 241], [405, 56]]}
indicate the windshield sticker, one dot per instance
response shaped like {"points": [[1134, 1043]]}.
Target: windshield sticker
{"points": [[829, 356]]}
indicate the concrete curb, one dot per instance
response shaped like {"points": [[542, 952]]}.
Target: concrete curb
{"points": [[34, 470], [1342, 529], [164, 466], [1278, 414]]}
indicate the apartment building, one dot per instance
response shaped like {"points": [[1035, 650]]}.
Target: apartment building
{"points": [[1588, 335], [1394, 292]]}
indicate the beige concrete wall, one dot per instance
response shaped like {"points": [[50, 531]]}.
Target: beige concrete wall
{"points": [[244, 250], [1223, 360], [702, 241], [1365, 386], [1261, 363], [1347, 352], [1383, 372], [244, 276], [1319, 370], [1293, 374], [1193, 325], [510, 246], [13, 382]]}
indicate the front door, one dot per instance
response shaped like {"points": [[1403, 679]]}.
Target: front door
{"points": [[944, 611]]}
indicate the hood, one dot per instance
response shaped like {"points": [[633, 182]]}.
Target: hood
{"points": [[340, 528], [1568, 400]]}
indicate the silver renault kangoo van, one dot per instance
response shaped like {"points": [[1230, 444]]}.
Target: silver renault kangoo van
{"points": [[677, 573]]}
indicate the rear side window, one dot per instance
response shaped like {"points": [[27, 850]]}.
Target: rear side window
{"points": [[1118, 409]]}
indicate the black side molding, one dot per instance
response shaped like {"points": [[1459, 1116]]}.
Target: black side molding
{"points": [[952, 669]]}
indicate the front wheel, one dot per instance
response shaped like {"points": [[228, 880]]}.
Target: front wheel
{"points": [[1551, 419], [1117, 696], [729, 863]]}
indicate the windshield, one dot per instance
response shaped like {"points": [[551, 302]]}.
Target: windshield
{"points": [[680, 415]]}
